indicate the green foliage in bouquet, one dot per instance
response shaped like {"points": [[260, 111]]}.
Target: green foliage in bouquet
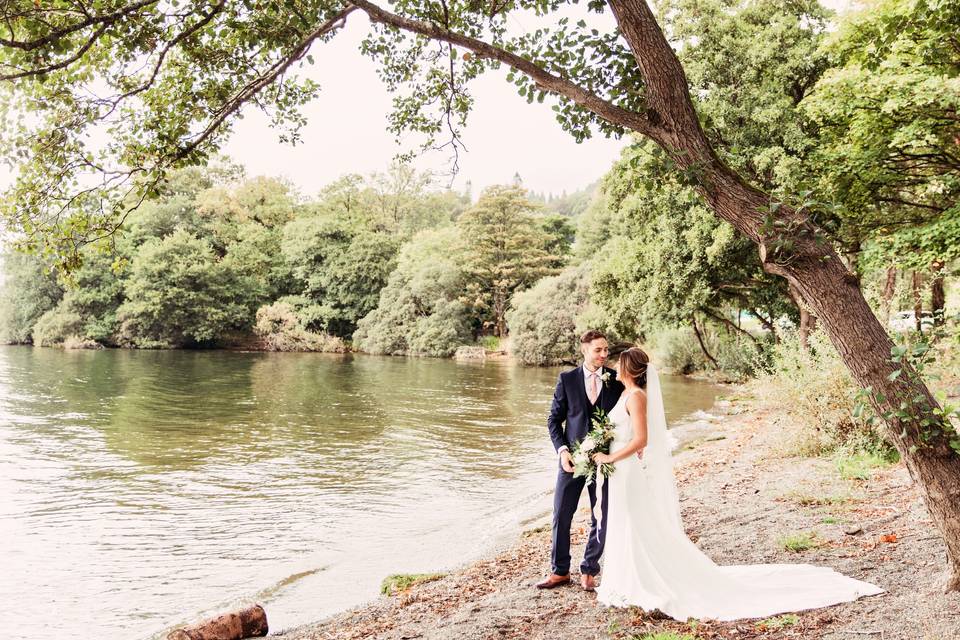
{"points": [[597, 440]]}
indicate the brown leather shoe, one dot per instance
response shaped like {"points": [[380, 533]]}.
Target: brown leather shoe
{"points": [[553, 580], [588, 582]]}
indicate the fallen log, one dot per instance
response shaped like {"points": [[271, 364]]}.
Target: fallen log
{"points": [[246, 623]]}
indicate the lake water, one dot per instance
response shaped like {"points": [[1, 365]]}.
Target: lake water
{"points": [[140, 490]]}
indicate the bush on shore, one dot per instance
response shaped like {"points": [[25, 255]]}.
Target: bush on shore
{"points": [[819, 395], [543, 320], [281, 329], [55, 326], [738, 357]]}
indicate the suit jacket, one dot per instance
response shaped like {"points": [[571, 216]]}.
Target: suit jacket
{"points": [[571, 407]]}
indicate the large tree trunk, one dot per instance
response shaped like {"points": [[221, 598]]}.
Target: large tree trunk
{"points": [[809, 266]]}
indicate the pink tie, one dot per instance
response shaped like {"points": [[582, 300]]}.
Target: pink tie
{"points": [[593, 388]]}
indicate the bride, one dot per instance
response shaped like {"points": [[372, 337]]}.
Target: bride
{"points": [[649, 561]]}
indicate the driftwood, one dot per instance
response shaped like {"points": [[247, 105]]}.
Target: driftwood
{"points": [[246, 623]]}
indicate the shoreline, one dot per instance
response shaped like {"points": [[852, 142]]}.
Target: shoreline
{"points": [[739, 499]]}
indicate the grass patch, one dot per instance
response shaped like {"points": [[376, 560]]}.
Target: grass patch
{"points": [[541, 529], [490, 343], [797, 542], [778, 622], [399, 582], [810, 500], [830, 520], [859, 466], [664, 635]]}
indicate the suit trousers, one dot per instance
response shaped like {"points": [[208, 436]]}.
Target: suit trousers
{"points": [[565, 500]]}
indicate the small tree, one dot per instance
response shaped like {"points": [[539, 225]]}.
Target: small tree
{"points": [[543, 319], [180, 294], [505, 251], [339, 270], [418, 311], [29, 291]]}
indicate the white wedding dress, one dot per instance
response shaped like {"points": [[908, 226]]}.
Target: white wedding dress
{"points": [[649, 562]]}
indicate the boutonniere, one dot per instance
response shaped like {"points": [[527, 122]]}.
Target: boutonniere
{"points": [[605, 378]]}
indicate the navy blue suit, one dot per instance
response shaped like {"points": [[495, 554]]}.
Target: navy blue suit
{"points": [[569, 423]]}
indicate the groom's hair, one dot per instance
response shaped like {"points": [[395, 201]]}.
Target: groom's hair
{"points": [[590, 336]]}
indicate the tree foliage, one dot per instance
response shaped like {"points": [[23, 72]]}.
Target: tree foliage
{"points": [[543, 320], [418, 311], [30, 289], [665, 257], [179, 293], [508, 248], [339, 270], [887, 117]]}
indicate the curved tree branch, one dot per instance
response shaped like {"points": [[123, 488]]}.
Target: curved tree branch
{"points": [[63, 63], [249, 91], [544, 79]]}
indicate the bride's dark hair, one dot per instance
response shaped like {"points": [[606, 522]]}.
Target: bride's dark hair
{"points": [[633, 364]]}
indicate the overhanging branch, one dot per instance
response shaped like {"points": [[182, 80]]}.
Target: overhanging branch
{"points": [[543, 78], [249, 91]]}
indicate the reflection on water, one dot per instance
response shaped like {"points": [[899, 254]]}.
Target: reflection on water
{"points": [[141, 489]]}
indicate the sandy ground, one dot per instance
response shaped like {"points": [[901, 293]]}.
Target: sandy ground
{"points": [[739, 497]]}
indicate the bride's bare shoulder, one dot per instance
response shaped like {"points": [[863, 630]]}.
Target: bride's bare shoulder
{"points": [[636, 399]]}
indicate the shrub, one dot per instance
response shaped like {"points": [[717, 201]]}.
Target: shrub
{"points": [[818, 394], [396, 583], [29, 291], [797, 542], [543, 320], [678, 351], [180, 293], [859, 465], [440, 333], [281, 330], [56, 325], [737, 356], [489, 343], [418, 311]]}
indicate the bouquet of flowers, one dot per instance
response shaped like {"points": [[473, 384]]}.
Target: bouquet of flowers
{"points": [[597, 441]]}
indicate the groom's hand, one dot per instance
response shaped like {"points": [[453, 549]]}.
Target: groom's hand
{"points": [[566, 461]]}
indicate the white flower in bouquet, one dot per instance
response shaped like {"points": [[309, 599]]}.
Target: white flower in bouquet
{"points": [[597, 441]]}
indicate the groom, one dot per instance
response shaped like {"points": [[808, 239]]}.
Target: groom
{"points": [[578, 395]]}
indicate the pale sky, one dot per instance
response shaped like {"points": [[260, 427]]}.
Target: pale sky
{"points": [[346, 132]]}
